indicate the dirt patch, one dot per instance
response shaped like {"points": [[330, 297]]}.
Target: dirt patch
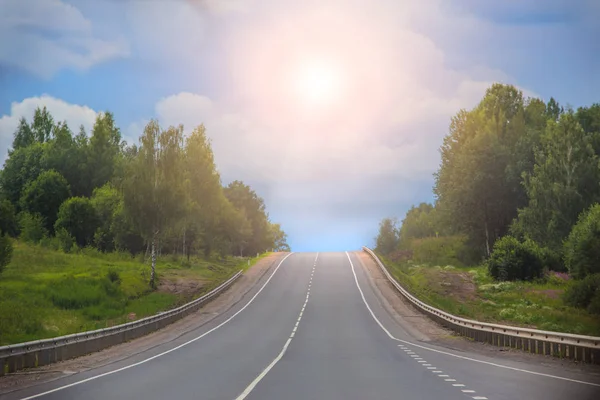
{"points": [[181, 286], [219, 305], [458, 285]]}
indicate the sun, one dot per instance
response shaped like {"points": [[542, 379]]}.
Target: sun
{"points": [[318, 83]]}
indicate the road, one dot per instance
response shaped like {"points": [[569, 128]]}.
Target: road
{"points": [[311, 329]]}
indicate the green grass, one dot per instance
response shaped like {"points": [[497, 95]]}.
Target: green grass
{"points": [[46, 293], [471, 293]]}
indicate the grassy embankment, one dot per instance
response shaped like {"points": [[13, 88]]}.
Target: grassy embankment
{"points": [[46, 293], [471, 293]]}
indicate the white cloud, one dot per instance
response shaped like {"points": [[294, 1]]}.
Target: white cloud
{"points": [[74, 115], [45, 36]]}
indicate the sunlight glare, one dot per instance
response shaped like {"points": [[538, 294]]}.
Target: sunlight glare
{"points": [[318, 83]]}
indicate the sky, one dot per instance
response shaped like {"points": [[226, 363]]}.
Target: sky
{"points": [[333, 111]]}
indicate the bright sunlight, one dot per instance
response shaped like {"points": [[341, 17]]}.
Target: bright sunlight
{"points": [[318, 83]]}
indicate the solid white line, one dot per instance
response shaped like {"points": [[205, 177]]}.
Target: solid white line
{"points": [[456, 355], [164, 352], [255, 382]]}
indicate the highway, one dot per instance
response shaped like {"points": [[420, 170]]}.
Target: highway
{"points": [[312, 328]]}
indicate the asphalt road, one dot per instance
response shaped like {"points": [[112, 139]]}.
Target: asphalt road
{"points": [[312, 329]]}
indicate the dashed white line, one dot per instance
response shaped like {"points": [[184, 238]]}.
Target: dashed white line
{"points": [[479, 398], [458, 385], [255, 382], [468, 391]]}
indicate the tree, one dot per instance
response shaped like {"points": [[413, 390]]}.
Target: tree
{"points": [[103, 151], [21, 167], [564, 182], [278, 238], [105, 200], [23, 135], [153, 195], [244, 198], [8, 218], [45, 195], [78, 217], [387, 239], [6, 251], [419, 222], [582, 247]]}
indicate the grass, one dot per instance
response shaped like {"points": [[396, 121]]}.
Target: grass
{"points": [[46, 293], [472, 293]]}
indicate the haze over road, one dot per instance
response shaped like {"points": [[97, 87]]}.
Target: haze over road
{"points": [[339, 343]]}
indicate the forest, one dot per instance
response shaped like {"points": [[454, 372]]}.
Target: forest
{"points": [[517, 191], [164, 195]]}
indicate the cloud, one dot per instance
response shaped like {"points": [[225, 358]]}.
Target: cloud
{"points": [[45, 36], [74, 115]]}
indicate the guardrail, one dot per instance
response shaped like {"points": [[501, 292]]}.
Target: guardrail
{"points": [[577, 347], [42, 352]]}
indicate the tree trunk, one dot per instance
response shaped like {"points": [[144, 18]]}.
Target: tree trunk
{"points": [[487, 239], [147, 250], [183, 247], [153, 270]]}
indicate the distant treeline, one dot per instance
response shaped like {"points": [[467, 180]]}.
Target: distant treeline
{"points": [[163, 195], [518, 186]]}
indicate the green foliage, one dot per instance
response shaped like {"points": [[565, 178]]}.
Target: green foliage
{"points": [[584, 292], [514, 260], [21, 167], [8, 218], [564, 182], [106, 201], [443, 250], [582, 247], [44, 196], [420, 222], [32, 227], [387, 239], [78, 217], [65, 241], [6, 251]]}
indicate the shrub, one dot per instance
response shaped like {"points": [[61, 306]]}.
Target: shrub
{"points": [[49, 242], [583, 292], [443, 250], [6, 251], [594, 306], [78, 217], [32, 227], [65, 240], [8, 218], [514, 260], [582, 247]]}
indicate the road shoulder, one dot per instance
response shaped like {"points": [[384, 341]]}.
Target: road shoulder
{"points": [[423, 329], [221, 304]]}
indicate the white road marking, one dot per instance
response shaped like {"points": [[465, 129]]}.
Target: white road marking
{"points": [[164, 352], [437, 372], [422, 361], [479, 398], [414, 356], [444, 376], [458, 385], [427, 365], [255, 382], [430, 367], [450, 380], [468, 391], [456, 355]]}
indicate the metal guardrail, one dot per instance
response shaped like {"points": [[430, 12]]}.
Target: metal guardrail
{"points": [[40, 352], [534, 340]]}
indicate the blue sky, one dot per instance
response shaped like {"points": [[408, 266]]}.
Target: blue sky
{"points": [[332, 160]]}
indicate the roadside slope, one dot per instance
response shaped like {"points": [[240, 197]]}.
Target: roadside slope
{"points": [[219, 305]]}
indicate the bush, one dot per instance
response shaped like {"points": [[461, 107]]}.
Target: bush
{"points": [[51, 243], [443, 250], [32, 227], [78, 217], [65, 240], [6, 251], [582, 247], [513, 260], [8, 218], [594, 306], [584, 292]]}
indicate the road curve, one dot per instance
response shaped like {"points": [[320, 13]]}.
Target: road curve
{"points": [[311, 329]]}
